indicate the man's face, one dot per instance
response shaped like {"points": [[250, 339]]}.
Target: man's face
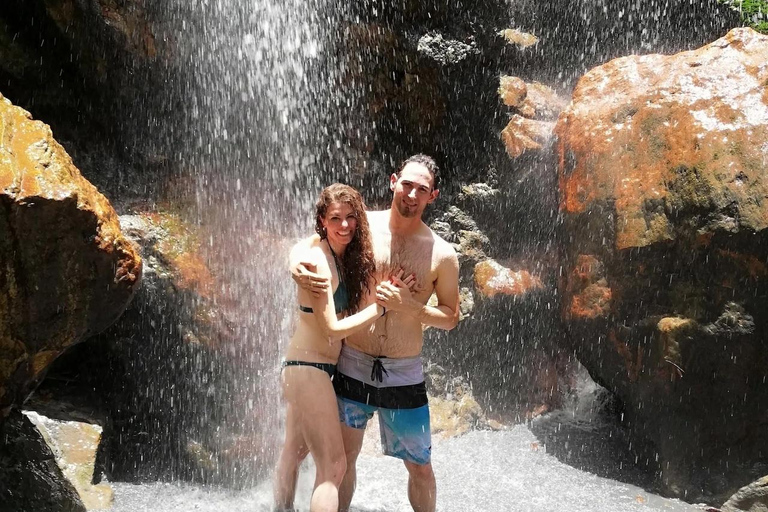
{"points": [[413, 190]]}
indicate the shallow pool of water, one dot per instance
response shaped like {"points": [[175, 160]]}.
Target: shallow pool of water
{"points": [[480, 471]]}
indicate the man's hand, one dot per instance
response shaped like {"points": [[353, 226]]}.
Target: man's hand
{"points": [[306, 277], [395, 294]]}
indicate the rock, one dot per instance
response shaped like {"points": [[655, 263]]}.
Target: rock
{"points": [[158, 373], [587, 291], [531, 100], [466, 302], [689, 132], [750, 498], [519, 38], [493, 279], [544, 103], [445, 51], [30, 479], [522, 134], [74, 445], [662, 196], [453, 409], [512, 91], [68, 270]]}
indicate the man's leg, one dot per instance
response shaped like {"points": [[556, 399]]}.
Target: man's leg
{"points": [[406, 435], [422, 489], [353, 442]]}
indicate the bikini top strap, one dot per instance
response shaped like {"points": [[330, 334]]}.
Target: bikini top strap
{"points": [[336, 262]]}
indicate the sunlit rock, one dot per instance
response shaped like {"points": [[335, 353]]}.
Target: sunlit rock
{"points": [[542, 102], [532, 100], [68, 272], [453, 408], [74, 444], [512, 91], [30, 479], [522, 134], [677, 144], [493, 279], [662, 169], [518, 37]]}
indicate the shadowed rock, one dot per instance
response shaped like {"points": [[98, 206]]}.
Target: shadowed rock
{"points": [[30, 479], [67, 272]]}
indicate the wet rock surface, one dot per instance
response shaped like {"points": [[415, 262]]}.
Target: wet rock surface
{"points": [[68, 271], [157, 375], [661, 186], [74, 445]]}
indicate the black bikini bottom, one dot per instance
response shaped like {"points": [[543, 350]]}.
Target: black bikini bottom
{"points": [[328, 368]]}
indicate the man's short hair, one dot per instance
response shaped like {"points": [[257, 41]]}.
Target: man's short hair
{"points": [[428, 162]]}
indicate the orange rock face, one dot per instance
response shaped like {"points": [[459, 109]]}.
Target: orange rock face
{"points": [[67, 270], [657, 135], [512, 91], [587, 290], [493, 279]]}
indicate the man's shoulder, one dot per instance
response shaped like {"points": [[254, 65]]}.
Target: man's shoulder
{"points": [[440, 242], [441, 245]]}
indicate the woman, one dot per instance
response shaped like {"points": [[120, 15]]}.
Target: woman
{"points": [[342, 253]]}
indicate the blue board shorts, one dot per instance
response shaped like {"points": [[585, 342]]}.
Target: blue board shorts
{"points": [[405, 433], [395, 389]]}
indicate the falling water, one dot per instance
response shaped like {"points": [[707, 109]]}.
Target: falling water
{"points": [[251, 109]]}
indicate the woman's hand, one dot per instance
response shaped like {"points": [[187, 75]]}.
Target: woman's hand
{"points": [[395, 294], [409, 281], [306, 277]]}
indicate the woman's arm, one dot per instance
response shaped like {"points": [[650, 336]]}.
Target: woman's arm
{"points": [[324, 308]]}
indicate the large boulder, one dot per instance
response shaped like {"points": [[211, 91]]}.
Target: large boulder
{"points": [[67, 271], [662, 170]]}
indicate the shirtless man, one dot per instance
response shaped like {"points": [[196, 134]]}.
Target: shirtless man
{"points": [[380, 370]]}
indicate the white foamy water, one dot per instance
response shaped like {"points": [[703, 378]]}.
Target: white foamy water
{"points": [[480, 471]]}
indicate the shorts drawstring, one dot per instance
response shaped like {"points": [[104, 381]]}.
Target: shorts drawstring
{"points": [[378, 371]]}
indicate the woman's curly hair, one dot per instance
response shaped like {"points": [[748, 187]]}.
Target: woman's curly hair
{"points": [[357, 264]]}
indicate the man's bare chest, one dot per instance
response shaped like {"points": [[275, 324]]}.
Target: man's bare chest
{"points": [[412, 256]]}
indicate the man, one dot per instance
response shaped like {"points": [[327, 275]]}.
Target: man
{"points": [[380, 370]]}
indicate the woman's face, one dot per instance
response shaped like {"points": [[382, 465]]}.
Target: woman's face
{"points": [[340, 223]]}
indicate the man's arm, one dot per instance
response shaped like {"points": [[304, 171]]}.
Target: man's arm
{"points": [[303, 271], [445, 315]]}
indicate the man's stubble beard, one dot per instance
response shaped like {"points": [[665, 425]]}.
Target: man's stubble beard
{"points": [[405, 212]]}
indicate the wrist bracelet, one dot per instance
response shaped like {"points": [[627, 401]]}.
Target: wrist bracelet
{"points": [[383, 312]]}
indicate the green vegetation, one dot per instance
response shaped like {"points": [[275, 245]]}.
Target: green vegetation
{"points": [[754, 13]]}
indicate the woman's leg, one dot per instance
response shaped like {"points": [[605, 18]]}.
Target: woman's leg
{"points": [[293, 453], [312, 393]]}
